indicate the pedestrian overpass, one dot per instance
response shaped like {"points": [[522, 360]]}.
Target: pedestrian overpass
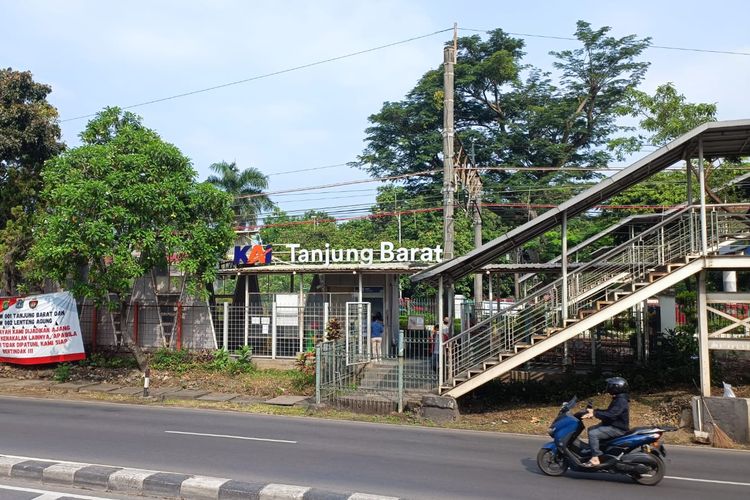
{"points": [[688, 241]]}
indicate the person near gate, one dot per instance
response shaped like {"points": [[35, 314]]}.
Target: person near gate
{"points": [[376, 336], [435, 346]]}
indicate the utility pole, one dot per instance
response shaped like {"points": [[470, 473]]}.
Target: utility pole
{"points": [[449, 182], [449, 58]]}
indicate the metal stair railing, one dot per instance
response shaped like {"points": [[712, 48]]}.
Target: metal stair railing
{"points": [[622, 270]]}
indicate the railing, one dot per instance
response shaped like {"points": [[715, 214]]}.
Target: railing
{"points": [[619, 270]]}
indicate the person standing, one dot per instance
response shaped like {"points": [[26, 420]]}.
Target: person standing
{"points": [[376, 336]]}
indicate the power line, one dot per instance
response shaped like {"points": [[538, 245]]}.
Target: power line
{"points": [[267, 75], [337, 184], [665, 47], [308, 169]]}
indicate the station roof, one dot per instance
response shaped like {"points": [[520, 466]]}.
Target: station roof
{"points": [[719, 139], [346, 268]]}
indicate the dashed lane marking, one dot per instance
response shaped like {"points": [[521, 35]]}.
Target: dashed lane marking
{"points": [[227, 436]]}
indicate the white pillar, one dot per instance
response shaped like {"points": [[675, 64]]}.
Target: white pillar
{"points": [[273, 330], [247, 307], [702, 183], [225, 327], [564, 288], [703, 352], [441, 358]]}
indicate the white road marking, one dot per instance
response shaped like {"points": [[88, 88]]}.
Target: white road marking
{"points": [[715, 481], [49, 495], [232, 437]]}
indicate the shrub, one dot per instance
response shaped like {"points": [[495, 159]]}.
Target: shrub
{"points": [[305, 362], [333, 329], [179, 360], [62, 372]]}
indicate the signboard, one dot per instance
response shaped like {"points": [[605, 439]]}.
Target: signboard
{"points": [[415, 323], [387, 253], [40, 329]]}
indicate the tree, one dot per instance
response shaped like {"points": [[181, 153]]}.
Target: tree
{"points": [[513, 113], [247, 189], [29, 135], [666, 115], [122, 204]]}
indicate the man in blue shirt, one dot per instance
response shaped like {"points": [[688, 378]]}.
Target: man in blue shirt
{"points": [[376, 336]]}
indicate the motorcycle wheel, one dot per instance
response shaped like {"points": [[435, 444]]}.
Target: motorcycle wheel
{"points": [[658, 469], [550, 463]]}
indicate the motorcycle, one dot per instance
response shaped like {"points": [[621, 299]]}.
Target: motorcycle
{"points": [[639, 454]]}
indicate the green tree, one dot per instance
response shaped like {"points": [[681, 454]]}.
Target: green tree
{"points": [[666, 114], [514, 114], [29, 135], [121, 204], [247, 189]]}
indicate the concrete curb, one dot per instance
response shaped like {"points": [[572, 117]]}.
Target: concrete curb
{"points": [[162, 484]]}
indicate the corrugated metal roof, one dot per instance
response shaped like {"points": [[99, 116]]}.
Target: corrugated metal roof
{"points": [[720, 139]]}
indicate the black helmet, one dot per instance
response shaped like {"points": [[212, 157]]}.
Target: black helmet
{"points": [[617, 385]]}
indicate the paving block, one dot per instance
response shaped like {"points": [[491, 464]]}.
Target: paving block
{"points": [[128, 391], [202, 488], [72, 386], [129, 480], [282, 492], [246, 400], [286, 400], [219, 397], [162, 391], [29, 384], [100, 388], [186, 394], [61, 473], [94, 477]]}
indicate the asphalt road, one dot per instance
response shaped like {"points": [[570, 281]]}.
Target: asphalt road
{"points": [[409, 462]]}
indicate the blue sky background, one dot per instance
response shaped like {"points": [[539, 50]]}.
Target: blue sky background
{"points": [[96, 54]]}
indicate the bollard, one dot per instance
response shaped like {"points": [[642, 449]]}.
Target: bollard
{"points": [[146, 381]]}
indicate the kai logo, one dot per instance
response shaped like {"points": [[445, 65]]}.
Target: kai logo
{"points": [[259, 254]]}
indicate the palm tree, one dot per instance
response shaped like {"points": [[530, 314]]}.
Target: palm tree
{"points": [[246, 187]]}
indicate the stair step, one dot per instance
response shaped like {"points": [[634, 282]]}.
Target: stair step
{"points": [[490, 364], [673, 266], [473, 372], [571, 321], [655, 275], [551, 330], [521, 346], [586, 312], [539, 337], [601, 304]]}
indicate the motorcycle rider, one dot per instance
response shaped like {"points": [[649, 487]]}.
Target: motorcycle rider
{"points": [[615, 420]]}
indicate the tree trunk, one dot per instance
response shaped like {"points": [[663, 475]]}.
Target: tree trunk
{"points": [[127, 339]]}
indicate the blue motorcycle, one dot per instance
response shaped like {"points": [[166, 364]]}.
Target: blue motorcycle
{"points": [[638, 454]]}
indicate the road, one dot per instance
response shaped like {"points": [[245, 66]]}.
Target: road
{"points": [[403, 461]]}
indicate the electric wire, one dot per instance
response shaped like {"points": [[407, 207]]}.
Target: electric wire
{"points": [[268, 75], [665, 47]]}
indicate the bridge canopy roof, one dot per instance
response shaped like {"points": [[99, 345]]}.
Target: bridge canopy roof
{"points": [[719, 139]]}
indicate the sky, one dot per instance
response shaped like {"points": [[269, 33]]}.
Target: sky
{"points": [[95, 54]]}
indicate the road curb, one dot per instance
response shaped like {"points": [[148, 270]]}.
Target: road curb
{"points": [[162, 484]]}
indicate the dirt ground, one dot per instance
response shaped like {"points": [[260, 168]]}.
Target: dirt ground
{"points": [[646, 409]]}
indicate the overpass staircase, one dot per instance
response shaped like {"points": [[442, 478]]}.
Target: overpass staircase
{"points": [[649, 263]]}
